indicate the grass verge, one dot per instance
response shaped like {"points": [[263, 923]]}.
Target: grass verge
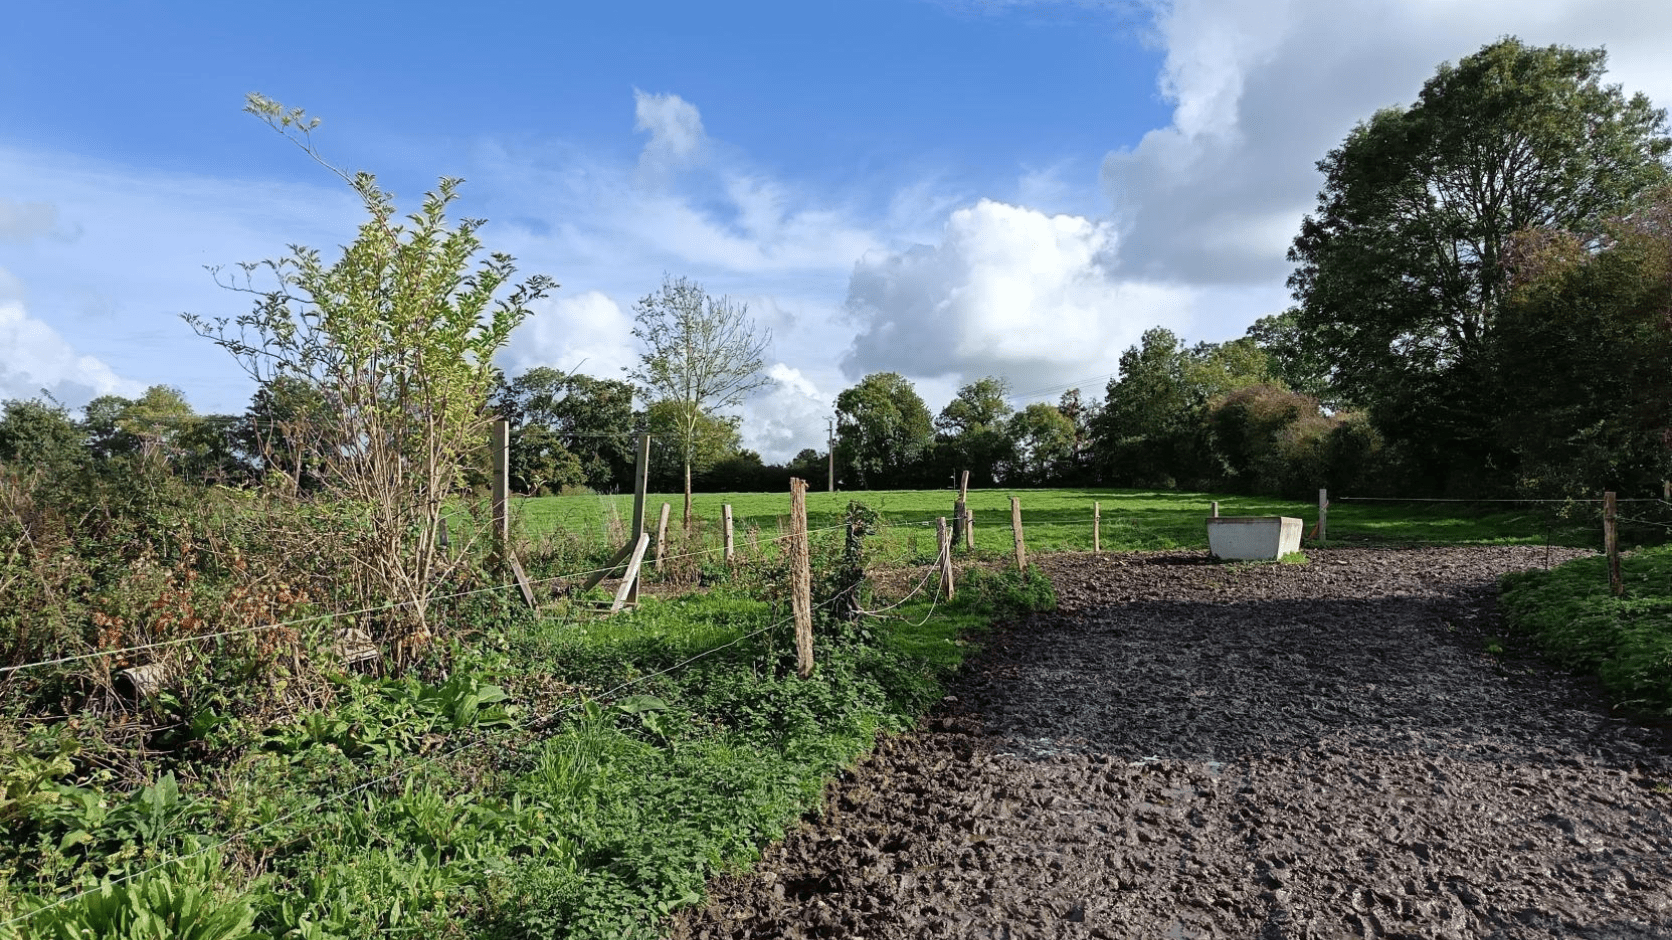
{"points": [[1626, 642], [571, 778]]}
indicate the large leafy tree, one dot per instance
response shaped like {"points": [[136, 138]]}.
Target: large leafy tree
{"points": [[701, 354], [1043, 446], [1597, 414], [972, 430], [883, 431], [591, 418], [1399, 272]]}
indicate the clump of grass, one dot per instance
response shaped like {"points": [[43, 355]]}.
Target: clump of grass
{"points": [[1625, 641]]}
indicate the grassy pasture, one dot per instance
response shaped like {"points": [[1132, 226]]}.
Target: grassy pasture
{"points": [[1061, 519]]}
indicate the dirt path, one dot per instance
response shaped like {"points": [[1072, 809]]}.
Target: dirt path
{"points": [[1194, 750]]}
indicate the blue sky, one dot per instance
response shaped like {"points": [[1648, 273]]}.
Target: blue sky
{"points": [[947, 190]]}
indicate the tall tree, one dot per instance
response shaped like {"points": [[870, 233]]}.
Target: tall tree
{"points": [[883, 430], [1400, 276], [1042, 446], [701, 353], [972, 429], [713, 440], [590, 418]]}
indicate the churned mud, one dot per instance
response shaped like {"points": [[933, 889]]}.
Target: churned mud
{"points": [[1192, 750]]}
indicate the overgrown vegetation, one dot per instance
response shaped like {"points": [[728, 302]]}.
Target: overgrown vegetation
{"points": [[1626, 641]]}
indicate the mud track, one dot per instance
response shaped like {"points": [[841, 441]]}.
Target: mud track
{"points": [[1195, 750]]}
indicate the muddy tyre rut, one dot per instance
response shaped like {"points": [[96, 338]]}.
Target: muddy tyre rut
{"points": [[1193, 750]]}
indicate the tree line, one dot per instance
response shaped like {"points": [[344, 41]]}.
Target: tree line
{"points": [[1482, 300]]}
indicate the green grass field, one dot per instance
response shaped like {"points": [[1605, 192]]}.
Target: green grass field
{"points": [[1061, 519]]}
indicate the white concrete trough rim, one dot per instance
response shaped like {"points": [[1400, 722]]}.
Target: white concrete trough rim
{"points": [[1250, 538]]}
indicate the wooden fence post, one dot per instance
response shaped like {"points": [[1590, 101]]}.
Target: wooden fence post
{"points": [[1016, 530], [661, 535], [1611, 543], [1096, 527], [801, 579], [726, 518], [960, 506], [641, 485], [628, 591], [944, 539], [500, 448], [1213, 510], [1323, 517]]}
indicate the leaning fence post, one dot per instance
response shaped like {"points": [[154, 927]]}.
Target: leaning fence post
{"points": [[1323, 516], [944, 539], [661, 535], [801, 579], [1096, 527], [1611, 543], [959, 507], [726, 519], [1016, 530]]}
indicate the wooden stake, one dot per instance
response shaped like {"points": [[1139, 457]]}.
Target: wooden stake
{"points": [[641, 484], [525, 586], [726, 517], [628, 591], [1323, 517], [944, 538], [1016, 531], [801, 579], [661, 535], [960, 510], [1097, 527], [500, 448], [1611, 543]]}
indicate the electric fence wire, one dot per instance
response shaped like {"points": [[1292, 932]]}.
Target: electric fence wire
{"points": [[423, 763], [380, 608]]}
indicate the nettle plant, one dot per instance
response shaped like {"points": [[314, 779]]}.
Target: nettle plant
{"points": [[384, 358]]}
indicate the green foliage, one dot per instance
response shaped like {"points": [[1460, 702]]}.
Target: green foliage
{"points": [[1592, 416], [386, 717], [39, 434], [589, 418], [883, 430], [1625, 641], [972, 432], [1007, 593], [175, 903], [1043, 446], [1401, 271]]}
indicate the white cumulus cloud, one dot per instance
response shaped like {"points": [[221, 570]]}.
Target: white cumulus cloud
{"points": [[588, 332], [786, 418], [1009, 291], [33, 357]]}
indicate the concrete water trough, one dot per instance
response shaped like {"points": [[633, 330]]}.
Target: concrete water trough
{"points": [[1248, 538]]}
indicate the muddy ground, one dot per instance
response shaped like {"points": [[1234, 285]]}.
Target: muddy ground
{"points": [[1194, 750]]}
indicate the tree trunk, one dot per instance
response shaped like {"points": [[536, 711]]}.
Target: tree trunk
{"points": [[687, 495]]}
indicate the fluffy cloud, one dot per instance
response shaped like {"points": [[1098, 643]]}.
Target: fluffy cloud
{"points": [[675, 129], [589, 332], [34, 357], [1008, 291], [786, 418], [1263, 91]]}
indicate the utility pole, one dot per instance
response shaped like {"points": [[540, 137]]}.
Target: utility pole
{"points": [[830, 444]]}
